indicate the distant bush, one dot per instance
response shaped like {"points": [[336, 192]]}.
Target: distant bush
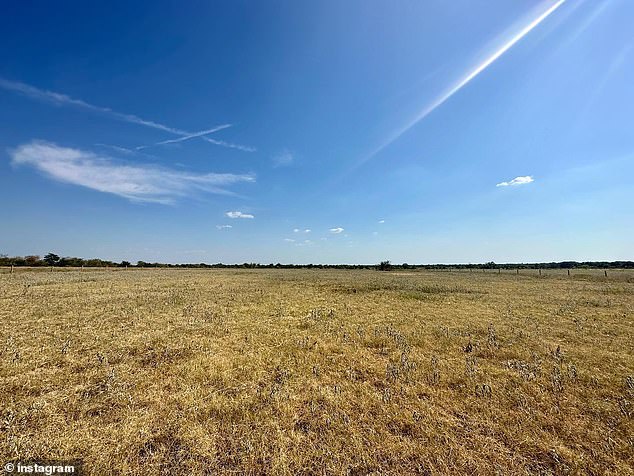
{"points": [[384, 266]]}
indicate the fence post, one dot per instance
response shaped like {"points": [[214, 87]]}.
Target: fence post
{"points": [[11, 269], [568, 272], [517, 271], [540, 271], [499, 270], [605, 272]]}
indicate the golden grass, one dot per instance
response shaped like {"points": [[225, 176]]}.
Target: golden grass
{"points": [[318, 372]]}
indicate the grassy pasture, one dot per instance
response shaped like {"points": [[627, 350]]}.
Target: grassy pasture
{"points": [[319, 372]]}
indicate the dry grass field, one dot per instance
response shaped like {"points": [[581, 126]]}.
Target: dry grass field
{"points": [[286, 372]]}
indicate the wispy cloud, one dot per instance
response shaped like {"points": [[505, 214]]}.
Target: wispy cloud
{"points": [[59, 99], [140, 183], [381, 221], [336, 231], [516, 181], [237, 214], [289, 240], [283, 160], [462, 82], [297, 230], [223, 227]]}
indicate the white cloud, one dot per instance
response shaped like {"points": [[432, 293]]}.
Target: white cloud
{"points": [[223, 227], [336, 231], [296, 230], [517, 181], [283, 160], [289, 240], [59, 99], [239, 215], [140, 183], [381, 221], [307, 230]]}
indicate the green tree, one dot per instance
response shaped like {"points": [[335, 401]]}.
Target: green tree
{"points": [[51, 259]]}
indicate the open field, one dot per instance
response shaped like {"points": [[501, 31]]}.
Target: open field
{"points": [[319, 372]]}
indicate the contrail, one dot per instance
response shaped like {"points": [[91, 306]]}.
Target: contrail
{"points": [[465, 80], [187, 137], [63, 100], [230, 145]]}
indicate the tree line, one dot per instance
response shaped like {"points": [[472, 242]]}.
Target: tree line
{"points": [[52, 259]]}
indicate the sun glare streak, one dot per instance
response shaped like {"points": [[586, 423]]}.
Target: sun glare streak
{"points": [[464, 81]]}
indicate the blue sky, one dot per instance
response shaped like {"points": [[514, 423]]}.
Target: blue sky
{"points": [[323, 132]]}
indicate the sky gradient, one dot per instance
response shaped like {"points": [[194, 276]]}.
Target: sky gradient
{"points": [[321, 132]]}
